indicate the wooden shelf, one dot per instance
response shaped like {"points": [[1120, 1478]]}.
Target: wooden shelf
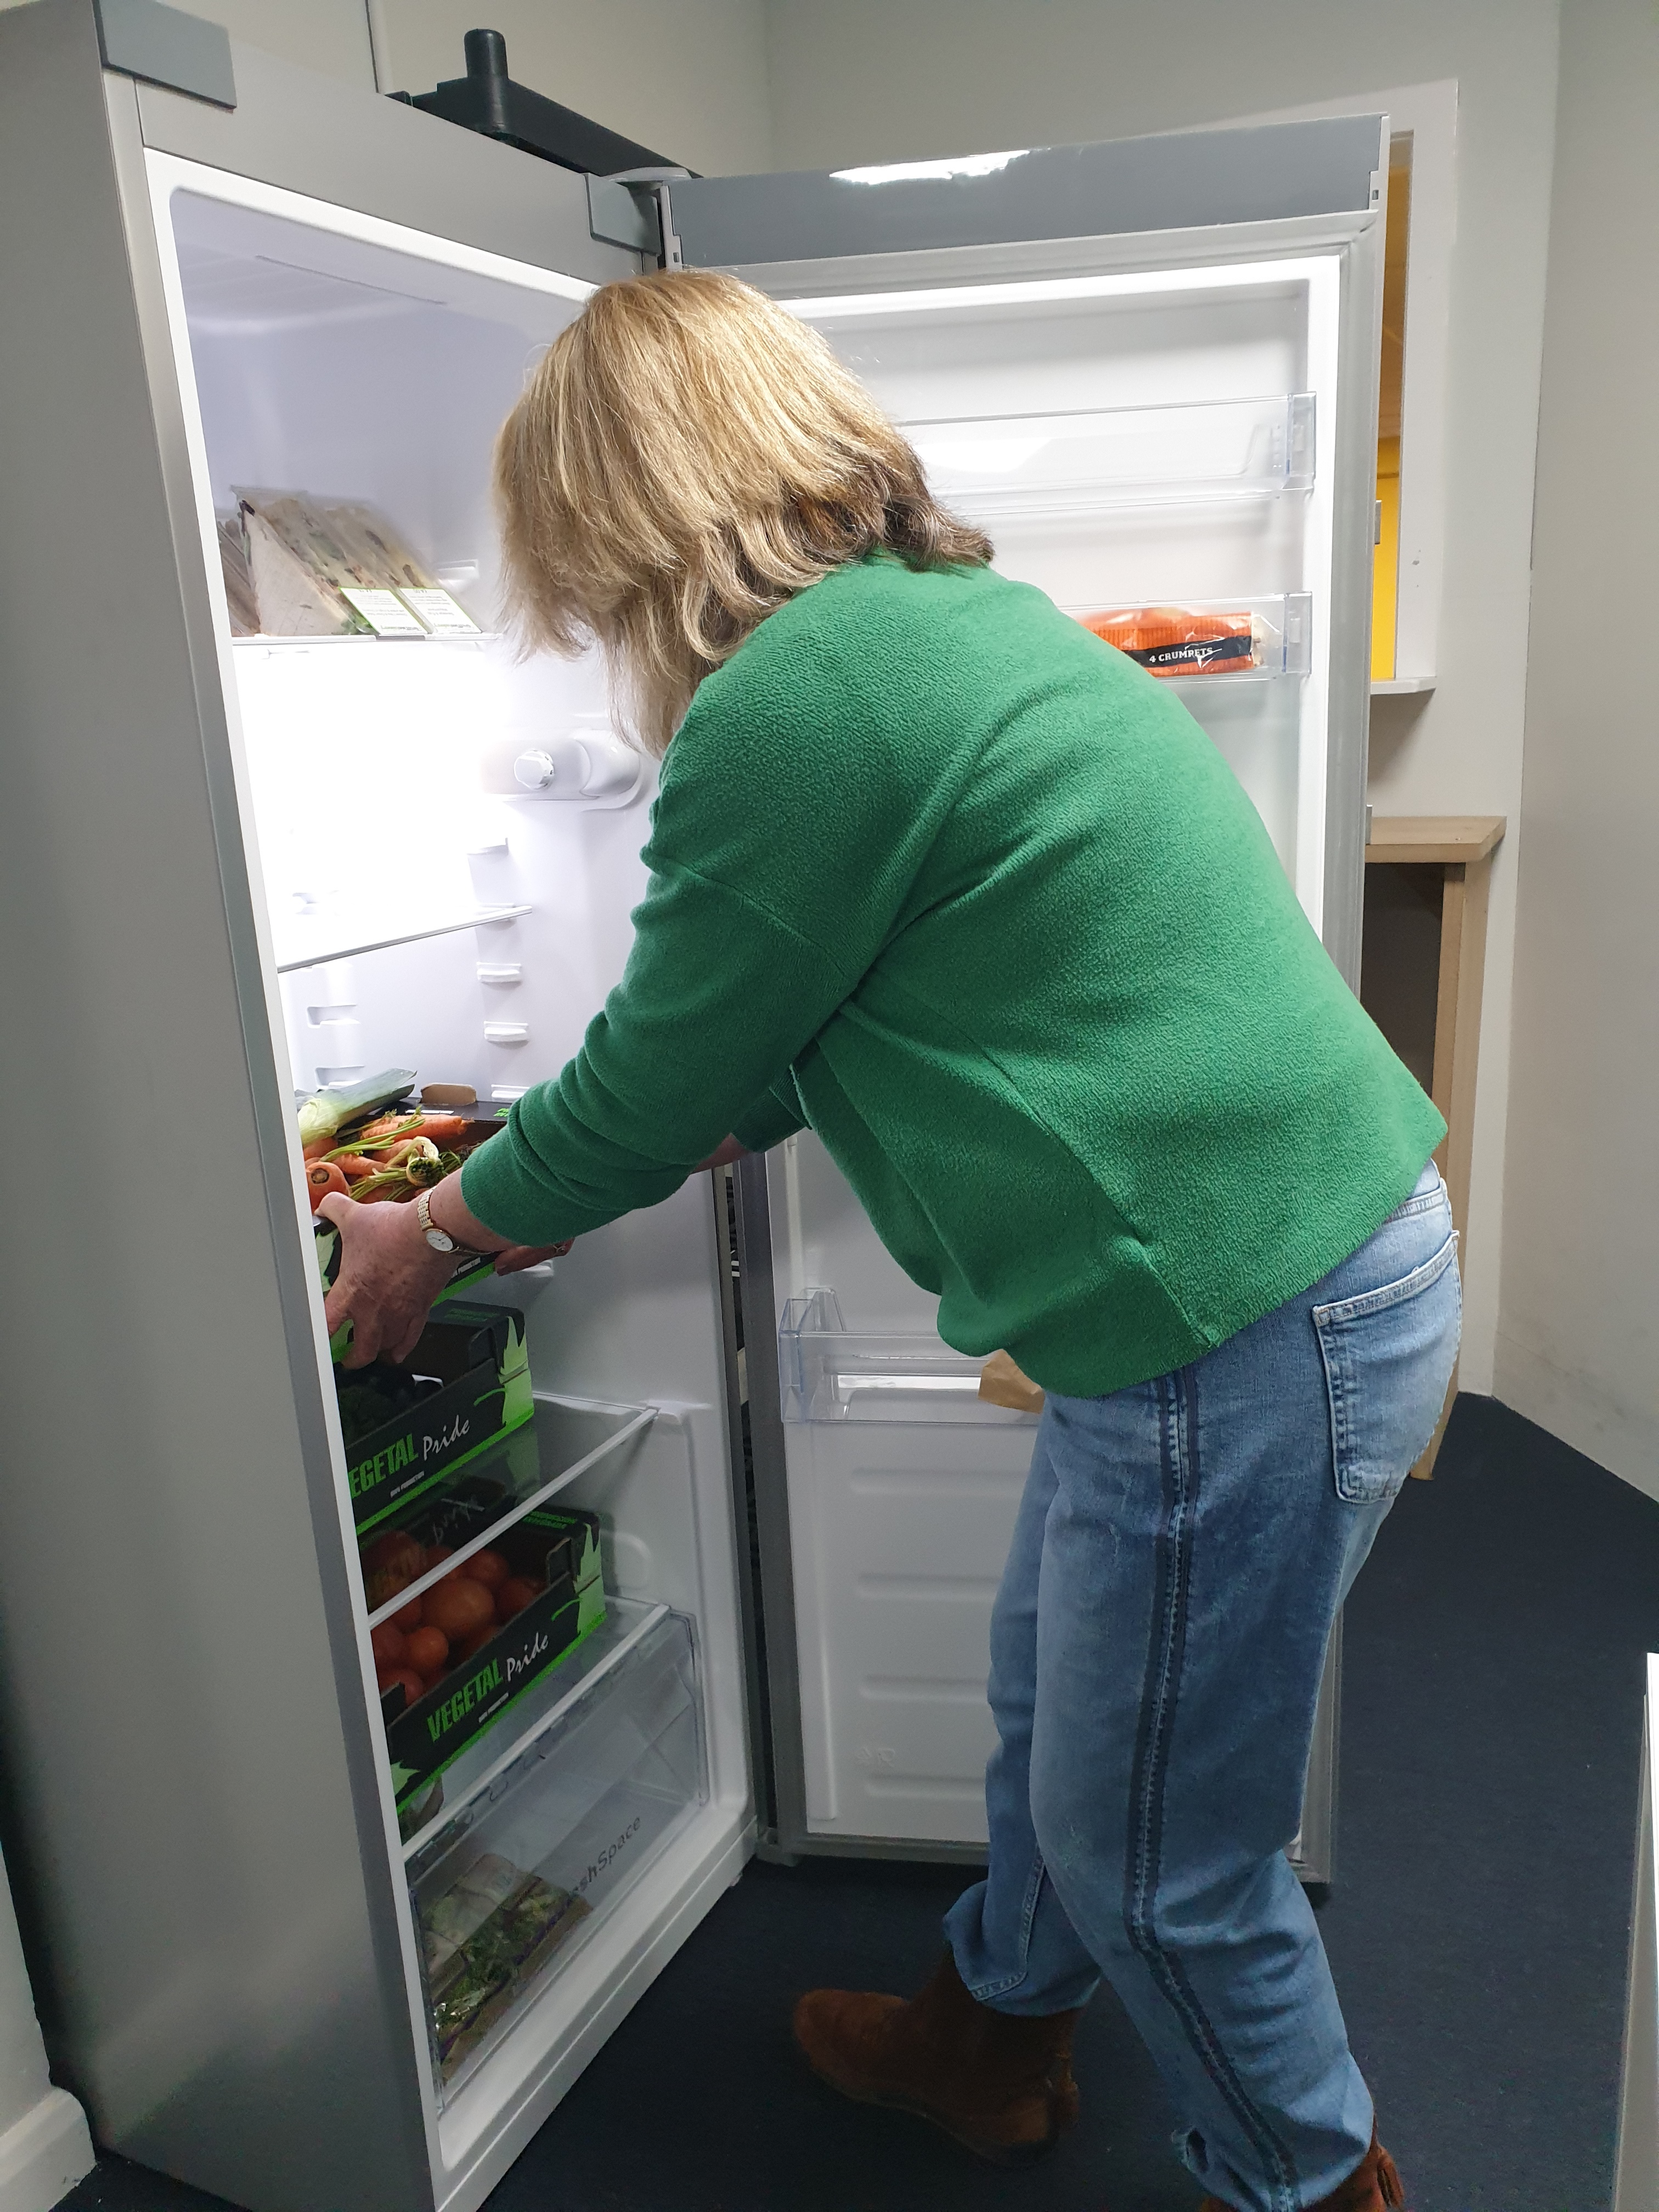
{"points": [[1434, 839], [1425, 992]]}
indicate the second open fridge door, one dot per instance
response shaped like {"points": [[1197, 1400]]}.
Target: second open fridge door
{"points": [[1148, 369]]}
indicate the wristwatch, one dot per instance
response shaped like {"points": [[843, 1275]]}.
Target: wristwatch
{"points": [[439, 1239]]}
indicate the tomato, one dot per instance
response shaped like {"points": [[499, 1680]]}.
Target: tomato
{"points": [[488, 1568], [517, 1592], [405, 1677], [408, 1617], [390, 1564], [472, 1645], [387, 1643], [429, 1651], [438, 1553], [458, 1606]]}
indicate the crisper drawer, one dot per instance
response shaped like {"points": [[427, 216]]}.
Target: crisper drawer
{"points": [[528, 1861]]}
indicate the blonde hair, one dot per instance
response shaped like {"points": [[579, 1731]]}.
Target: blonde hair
{"points": [[685, 458]]}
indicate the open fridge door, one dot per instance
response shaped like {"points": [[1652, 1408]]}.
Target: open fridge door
{"points": [[447, 842], [1148, 369]]}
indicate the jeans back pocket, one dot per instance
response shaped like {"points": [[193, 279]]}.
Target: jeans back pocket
{"points": [[1388, 1357]]}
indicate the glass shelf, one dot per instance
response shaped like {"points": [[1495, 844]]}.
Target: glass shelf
{"points": [[1040, 467], [260, 643], [830, 1373], [480, 1497], [511, 1881], [341, 941], [627, 1622]]}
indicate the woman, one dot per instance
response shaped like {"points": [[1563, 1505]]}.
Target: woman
{"points": [[940, 874]]}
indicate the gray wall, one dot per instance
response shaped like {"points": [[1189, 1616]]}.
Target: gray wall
{"points": [[687, 76], [1578, 1343]]}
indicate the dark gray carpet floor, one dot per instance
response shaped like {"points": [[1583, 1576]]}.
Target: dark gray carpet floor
{"points": [[1492, 1730]]}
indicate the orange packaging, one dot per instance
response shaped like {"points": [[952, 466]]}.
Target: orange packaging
{"points": [[1178, 641]]}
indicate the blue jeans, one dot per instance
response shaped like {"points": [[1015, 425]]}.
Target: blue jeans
{"points": [[1182, 1551]]}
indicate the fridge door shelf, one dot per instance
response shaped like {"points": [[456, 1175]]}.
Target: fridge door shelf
{"points": [[567, 1437], [509, 1883], [1051, 468], [829, 1373], [1233, 641]]}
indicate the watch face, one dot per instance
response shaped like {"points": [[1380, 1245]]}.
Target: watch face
{"points": [[439, 1241]]}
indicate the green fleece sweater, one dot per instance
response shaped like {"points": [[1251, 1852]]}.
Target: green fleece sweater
{"points": [[940, 874]]}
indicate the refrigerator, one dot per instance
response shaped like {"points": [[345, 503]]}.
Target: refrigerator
{"points": [[238, 867]]}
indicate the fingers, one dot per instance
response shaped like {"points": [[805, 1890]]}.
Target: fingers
{"points": [[411, 1336], [365, 1344], [517, 1257]]}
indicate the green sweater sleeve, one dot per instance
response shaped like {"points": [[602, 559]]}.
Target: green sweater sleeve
{"points": [[764, 911], [775, 1114]]}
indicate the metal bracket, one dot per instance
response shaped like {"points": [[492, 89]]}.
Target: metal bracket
{"points": [[164, 45], [627, 209]]}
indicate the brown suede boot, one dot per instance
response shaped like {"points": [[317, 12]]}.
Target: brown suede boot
{"points": [[1373, 2186], [999, 2084]]}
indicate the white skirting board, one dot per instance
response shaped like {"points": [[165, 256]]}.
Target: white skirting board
{"points": [[1635, 2188], [44, 2154]]}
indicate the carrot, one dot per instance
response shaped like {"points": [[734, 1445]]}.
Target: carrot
{"points": [[355, 1167], [443, 1128], [317, 1148], [322, 1177]]}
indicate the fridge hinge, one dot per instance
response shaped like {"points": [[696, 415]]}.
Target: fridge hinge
{"points": [[164, 45], [632, 209]]}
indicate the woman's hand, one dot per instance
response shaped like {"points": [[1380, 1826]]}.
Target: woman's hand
{"points": [[519, 1256], [389, 1278]]}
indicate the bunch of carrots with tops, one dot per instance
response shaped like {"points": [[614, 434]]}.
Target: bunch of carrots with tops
{"points": [[390, 1160]]}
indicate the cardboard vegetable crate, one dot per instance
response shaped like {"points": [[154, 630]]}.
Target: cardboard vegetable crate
{"points": [[475, 1354], [559, 1548]]}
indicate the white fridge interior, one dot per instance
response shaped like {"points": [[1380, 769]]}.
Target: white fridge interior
{"points": [[1148, 438], [422, 909]]}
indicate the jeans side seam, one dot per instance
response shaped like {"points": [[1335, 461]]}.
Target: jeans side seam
{"points": [[1159, 1695], [985, 1991]]}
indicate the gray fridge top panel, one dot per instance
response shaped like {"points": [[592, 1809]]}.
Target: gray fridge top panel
{"points": [[1185, 180], [333, 142]]}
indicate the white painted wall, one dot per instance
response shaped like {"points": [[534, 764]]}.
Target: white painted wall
{"points": [[874, 80], [686, 76], [1578, 1347], [44, 2146]]}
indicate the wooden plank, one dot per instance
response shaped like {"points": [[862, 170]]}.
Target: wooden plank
{"points": [[1456, 838], [1456, 1058]]}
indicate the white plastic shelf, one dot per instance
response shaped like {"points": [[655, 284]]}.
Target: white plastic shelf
{"points": [[829, 1373], [577, 1816], [331, 938], [1041, 467]]}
